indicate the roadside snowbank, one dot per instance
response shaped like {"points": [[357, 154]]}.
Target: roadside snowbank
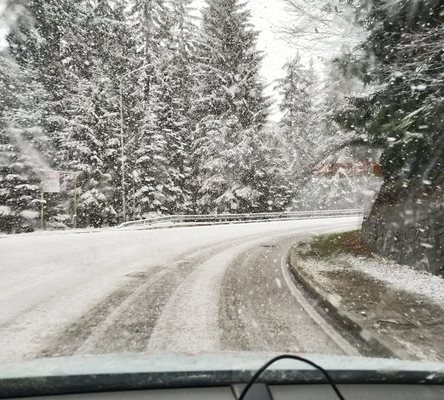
{"points": [[386, 307], [401, 277]]}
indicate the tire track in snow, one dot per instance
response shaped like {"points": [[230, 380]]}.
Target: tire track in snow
{"points": [[190, 320], [128, 325], [260, 310], [124, 320]]}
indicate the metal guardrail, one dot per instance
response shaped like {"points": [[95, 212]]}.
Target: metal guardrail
{"points": [[227, 218]]}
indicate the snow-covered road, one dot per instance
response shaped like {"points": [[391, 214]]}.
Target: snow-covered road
{"points": [[149, 290]]}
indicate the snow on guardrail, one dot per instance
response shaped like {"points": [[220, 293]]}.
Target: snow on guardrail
{"points": [[226, 218]]}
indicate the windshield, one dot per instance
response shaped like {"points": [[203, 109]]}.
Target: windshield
{"points": [[220, 176]]}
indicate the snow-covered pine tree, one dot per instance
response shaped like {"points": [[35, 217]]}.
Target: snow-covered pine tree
{"points": [[316, 142], [96, 52], [148, 172], [112, 57], [274, 179], [401, 58], [35, 43], [174, 83], [230, 110], [62, 46], [348, 186], [23, 144], [299, 123], [80, 50]]}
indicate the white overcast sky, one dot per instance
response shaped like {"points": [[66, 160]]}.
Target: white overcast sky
{"points": [[268, 16]]}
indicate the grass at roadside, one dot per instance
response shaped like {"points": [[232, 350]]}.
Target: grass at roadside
{"points": [[337, 243]]}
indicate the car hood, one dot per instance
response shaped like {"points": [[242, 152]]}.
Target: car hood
{"points": [[147, 371]]}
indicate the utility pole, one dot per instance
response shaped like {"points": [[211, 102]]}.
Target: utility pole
{"points": [[74, 213], [354, 185], [42, 210], [122, 151], [122, 137]]}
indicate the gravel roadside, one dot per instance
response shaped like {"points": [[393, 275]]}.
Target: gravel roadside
{"points": [[392, 310]]}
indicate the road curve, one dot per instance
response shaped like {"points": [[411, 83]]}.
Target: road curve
{"points": [[262, 309], [229, 293]]}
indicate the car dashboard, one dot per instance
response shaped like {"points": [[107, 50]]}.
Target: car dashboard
{"points": [[274, 392]]}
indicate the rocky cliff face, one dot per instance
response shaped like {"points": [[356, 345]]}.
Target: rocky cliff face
{"points": [[407, 225]]}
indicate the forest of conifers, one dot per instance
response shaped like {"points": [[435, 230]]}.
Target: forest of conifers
{"points": [[190, 135], [146, 108]]}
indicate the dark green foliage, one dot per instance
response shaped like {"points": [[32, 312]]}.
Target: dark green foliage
{"points": [[403, 60]]}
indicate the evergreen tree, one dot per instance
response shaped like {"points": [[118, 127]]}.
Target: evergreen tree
{"points": [[272, 177], [149, 171], [111, 55], [144, 115], [35, 43], [22, 141], [297, 89], [80, 49], [230, 110], [299, 124], [313, 140], [402, 113], [174, 79]]}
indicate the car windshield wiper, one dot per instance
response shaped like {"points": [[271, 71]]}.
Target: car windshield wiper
{"points": [[261, 370]]}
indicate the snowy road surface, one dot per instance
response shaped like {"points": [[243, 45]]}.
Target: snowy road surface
{"points": [[181, 289]]}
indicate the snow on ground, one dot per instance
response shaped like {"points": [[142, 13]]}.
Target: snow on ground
{"points": [[198, 328], [402, 277], [48, 280]]}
